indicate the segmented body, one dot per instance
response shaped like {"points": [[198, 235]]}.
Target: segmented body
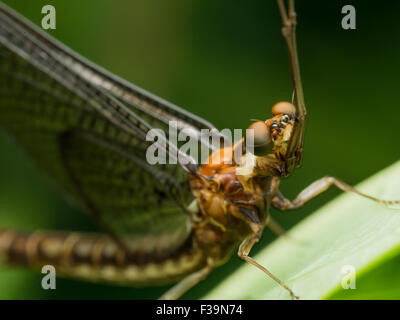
{"points": [[232, 206], [96, 257]]}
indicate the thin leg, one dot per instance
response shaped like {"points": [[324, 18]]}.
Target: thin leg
{"points": [[280, 232], [319, 186], [289, 33], [187, 283], [275, 227], [243, 252], [295, 147]]}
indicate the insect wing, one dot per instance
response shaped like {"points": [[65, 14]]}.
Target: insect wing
{"points": [[86, 129]]}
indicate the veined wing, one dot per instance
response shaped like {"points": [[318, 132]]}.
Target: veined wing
{"points": [[86, 129]]}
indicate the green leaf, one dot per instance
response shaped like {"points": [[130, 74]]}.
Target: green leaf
{"points": [[348, 231], [380, 283]]}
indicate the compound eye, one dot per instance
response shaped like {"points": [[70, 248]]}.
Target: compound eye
{"points": [[262, 143], [285, 118], [284, 107], [275, 126]]}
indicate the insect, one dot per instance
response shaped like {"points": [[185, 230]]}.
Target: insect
{"points": [[87, 130]]}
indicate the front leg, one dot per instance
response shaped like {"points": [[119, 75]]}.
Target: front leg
{"points": [[243, 253], [319, 186], [190, 281]]}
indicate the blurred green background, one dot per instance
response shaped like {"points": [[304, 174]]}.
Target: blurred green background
{"points": [[226, 61]]}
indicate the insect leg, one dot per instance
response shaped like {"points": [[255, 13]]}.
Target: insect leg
{"points": [[319, 186], [275, 227], [295, 147], [243, 253], [187, 283]]}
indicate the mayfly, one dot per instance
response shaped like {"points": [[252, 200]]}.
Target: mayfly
{"points": [[161, 223]]}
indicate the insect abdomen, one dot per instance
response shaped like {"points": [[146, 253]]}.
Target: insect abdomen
{"points": [[96, 257]]}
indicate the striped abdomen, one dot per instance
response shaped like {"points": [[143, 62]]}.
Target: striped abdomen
{"points": [[98, 258]]}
